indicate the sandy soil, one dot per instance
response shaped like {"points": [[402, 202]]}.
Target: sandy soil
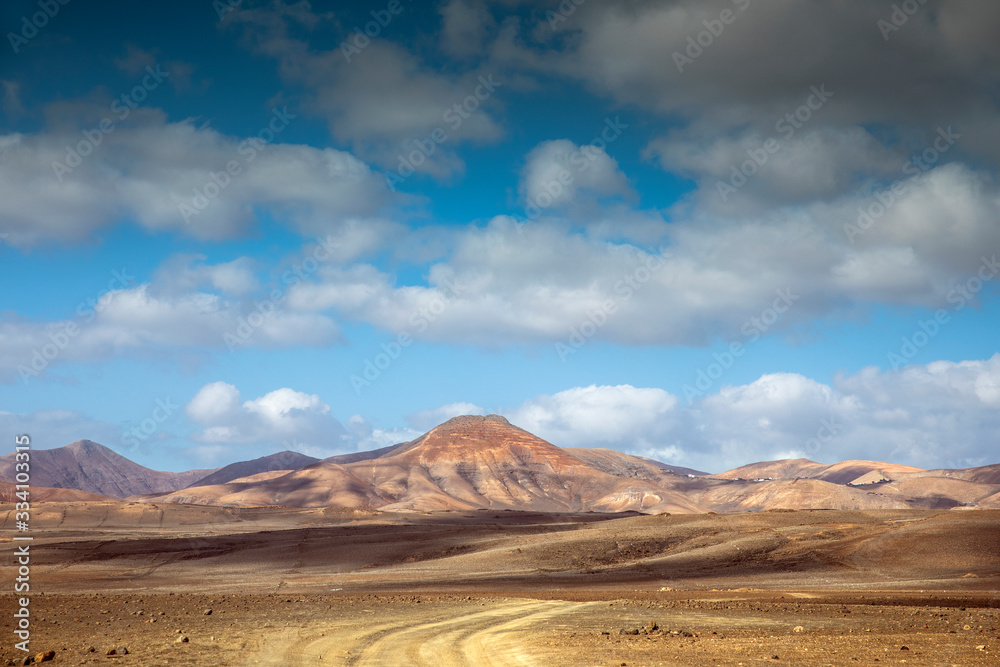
{"points": [[508, 588]]}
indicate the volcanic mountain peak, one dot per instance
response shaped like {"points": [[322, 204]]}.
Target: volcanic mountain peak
{"points": [[470, 438], [88, 447], [467, 421]]}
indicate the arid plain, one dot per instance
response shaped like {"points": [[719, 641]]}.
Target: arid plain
{"points": [[204, 579]]}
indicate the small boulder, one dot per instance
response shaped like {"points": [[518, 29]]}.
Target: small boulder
{"points": [[45, 656], [181, 639]]}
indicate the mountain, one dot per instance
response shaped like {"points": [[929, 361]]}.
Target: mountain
{"points": [[466, 463], [485, 462], [88, 466], [476, 462], [285, 460], [844, 472], [615, 462]]}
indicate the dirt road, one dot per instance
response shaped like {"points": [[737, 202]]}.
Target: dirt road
{"points": [[495, 636]]}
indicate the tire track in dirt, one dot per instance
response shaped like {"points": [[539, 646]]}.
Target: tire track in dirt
{"points": [[456, 639]]}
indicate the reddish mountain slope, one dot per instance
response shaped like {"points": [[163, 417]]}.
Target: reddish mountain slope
{"points": [[476, 462]]}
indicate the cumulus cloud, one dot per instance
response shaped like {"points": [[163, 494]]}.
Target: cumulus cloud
{"points": [[188, 304], [559, 173], [767, 168], [284, 418], [536, 282], [943, 414], [281, 419], [939, 415], [639, 53], [382, 99], [166, 176], [639, 418]]}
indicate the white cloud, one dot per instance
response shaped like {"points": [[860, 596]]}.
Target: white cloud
{"points": [[558, 172], [214, 402], [187, 305], [148, 169], [514, 283], [622, 417], [816, 164], [282, 418], [943, 414], [383, 100]]}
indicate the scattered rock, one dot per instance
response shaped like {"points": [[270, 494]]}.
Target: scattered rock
{"points": [[207, 612], [182, 639], [774, 657], [904, 648], [798, 628], [45, 656]]}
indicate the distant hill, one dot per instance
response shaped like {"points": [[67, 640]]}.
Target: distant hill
{"points": [[837, 473], [94, 468], [475, 462], [485, 462], [285, 460]]}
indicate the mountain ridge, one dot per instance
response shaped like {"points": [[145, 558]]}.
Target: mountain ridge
{"points": [[485, 462]]}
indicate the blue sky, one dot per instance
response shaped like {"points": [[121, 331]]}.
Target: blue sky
{"points": [[696, 231]]}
